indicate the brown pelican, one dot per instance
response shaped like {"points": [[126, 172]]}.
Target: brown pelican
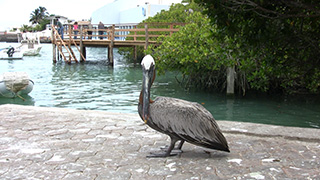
{"points": [[181, 120]]}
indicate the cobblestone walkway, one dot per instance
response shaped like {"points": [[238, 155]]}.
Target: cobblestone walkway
{"points": [[52, 143]]}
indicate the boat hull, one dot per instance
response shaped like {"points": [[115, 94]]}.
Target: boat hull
{"points": [[15, 56], [8, 93], [11, 58], [32, 52]]}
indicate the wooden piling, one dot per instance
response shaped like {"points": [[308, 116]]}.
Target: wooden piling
{"points": [[54, 58], [109, 53], [171, 27], [110, 49], [69, 46], [82, 48], [135, 33], [135, 54], [84, 53], [135, 50], [230, 80], [58, 50], [54, 46]]}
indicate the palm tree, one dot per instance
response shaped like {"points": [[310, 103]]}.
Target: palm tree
{"points": [[43, 11], [38, 15], [25, 28], [35, 17]]}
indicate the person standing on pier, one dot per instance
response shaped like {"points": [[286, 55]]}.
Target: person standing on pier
{"points": [[90, 31], [75, 29], [60, 29], [100, 27]]}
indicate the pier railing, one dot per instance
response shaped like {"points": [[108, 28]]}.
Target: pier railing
{"points": [[121, 32], [113, 35]]}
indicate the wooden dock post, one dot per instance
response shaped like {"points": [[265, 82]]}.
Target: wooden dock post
{"points": [[110, 48], [171, 27], [58, 50], [82, 48], [69, 46], [135, 54], [54, 57], [135, 50], [54, 46], [230, 80], [84, 53]]}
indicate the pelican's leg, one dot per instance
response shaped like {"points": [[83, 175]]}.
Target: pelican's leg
{"points": [[180, 145], [168, 152], [177, 148]]}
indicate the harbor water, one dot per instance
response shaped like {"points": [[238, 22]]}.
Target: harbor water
{"points": [[95, 86]]}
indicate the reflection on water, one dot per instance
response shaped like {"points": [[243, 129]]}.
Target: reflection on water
{"points": [[95, 86], [27, 100]]}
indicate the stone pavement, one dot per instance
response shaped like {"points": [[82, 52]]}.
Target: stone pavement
{"points": [[53, 143]]}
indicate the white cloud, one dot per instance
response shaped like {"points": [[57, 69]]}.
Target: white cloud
{"points": [[16, 13]]}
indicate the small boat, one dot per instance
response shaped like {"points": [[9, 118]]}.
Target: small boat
{"points": [[13, 84], [29, 48], [10, 53], [30, 44]]}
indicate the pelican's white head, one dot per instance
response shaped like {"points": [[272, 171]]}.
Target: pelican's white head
{"points": [[147, 61], [148, 68]]}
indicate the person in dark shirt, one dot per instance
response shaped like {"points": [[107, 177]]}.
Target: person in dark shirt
{"points": [[90, 31], [60, 29], [100, 27]]}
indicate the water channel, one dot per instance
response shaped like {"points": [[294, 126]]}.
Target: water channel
{"points": [[95, 86]]}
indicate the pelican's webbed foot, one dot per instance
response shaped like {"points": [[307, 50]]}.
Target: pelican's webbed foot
{"points": [[161, 155], [169, 150], [177, 149]]}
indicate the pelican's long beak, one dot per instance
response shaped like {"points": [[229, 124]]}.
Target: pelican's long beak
{"points": [[146, 103], [146, 86]]}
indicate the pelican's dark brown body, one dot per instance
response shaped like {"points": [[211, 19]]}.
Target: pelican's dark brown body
{"points": [[181, 120]]}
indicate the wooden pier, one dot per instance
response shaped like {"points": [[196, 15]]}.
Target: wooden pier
{"points": [[112, 36]]}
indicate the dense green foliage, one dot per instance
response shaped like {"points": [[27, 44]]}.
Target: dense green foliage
{"points": [[274, 45], [278, 40], [196, 53], [176, 14]]}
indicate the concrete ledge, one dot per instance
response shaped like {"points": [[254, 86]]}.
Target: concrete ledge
{"points": [[263, 130], [54, 143]]}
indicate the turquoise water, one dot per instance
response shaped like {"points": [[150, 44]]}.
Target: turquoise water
{"points": [[95, 86]]}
